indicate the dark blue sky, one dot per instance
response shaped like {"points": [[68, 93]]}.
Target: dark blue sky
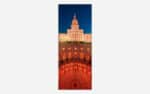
{"points": [[83, 13]]}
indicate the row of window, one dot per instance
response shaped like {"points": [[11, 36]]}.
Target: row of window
{"points": [[75, 48]]}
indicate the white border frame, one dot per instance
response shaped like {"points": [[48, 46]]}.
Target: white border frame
{"points": [[90, 91]]}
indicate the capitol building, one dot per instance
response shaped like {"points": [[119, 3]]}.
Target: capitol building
{"points": [[75, 33], [75, 58]]}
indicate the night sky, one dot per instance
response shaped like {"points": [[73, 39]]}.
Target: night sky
{"points": [[83, 14]]}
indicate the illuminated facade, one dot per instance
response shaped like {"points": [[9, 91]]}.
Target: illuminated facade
{"points": [[75, 33], [75, 58], [75, 65]]}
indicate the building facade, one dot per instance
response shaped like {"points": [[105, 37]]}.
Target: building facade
{"points": [[75, 58], [75, 33]]}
